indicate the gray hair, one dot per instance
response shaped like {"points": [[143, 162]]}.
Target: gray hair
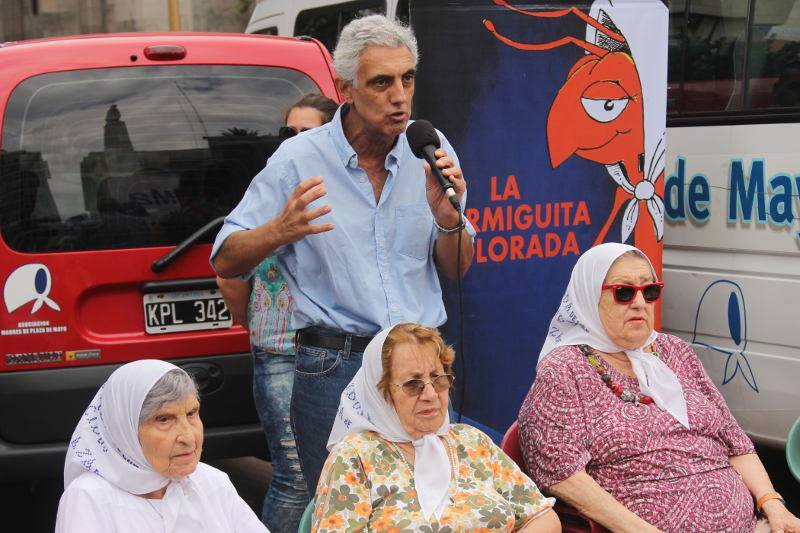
{"points": [[173, 386], [375, 30], [639, 255]]}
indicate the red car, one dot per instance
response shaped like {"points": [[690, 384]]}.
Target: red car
{"points": [[119, 156]]}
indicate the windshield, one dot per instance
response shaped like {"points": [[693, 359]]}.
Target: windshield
{"points": [[134, 157]]}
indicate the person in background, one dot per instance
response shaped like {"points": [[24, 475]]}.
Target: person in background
{"points": [[264, 306], [624, 424], [360, 226], [396, 462], [133, 462], [786, 91]]}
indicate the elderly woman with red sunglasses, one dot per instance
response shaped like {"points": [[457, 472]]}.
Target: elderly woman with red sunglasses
{"points": [[396, 463], [623, 422]]}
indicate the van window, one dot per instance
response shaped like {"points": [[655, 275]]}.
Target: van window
{"points": [[706, 55], [403, 12], [326, 23], [774, 55], [711, 45], [134, 157]]}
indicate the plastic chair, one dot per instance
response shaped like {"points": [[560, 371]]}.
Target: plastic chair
{"points": [[305, 521], [793, 450], [571, 520], [510, 445]]}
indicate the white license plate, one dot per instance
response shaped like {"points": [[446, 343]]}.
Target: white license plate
{"points": [[169, 312]]}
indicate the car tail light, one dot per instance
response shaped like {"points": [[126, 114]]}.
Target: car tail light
{"points": [[165, 52]]}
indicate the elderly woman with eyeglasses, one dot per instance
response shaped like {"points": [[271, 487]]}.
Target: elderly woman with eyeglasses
{"points": [[623, 423], [133, 462], [398, 464]]}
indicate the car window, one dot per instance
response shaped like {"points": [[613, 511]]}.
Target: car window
{"points": [[134, 157]]}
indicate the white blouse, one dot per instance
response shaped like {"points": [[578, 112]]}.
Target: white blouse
{"points": [[90, 504]]}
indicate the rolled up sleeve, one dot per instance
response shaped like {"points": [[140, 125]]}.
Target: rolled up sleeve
{"points": [[264, 199]]}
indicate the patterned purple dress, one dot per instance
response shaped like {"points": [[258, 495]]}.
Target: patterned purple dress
{"points": [[679, 480]]}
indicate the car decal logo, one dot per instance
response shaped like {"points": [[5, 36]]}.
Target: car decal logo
{"points": [[723, 301], [29, 283]]}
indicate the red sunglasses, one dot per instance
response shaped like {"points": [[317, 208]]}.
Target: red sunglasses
{"points": [[625, 293]]}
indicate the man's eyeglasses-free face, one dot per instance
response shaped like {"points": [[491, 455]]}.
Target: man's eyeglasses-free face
{"points": [[414, 387], [624, 293]]}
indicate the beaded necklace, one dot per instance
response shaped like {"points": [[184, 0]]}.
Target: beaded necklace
{"points": [[623, 394]]}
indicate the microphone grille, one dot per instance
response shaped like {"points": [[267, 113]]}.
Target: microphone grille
{"points": [[420, 134]]}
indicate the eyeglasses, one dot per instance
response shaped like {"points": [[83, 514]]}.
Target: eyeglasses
{"points": [[624, 293], [286, 132], [414, 387]]}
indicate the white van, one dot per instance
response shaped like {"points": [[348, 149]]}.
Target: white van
{"points": [[732, 241], [320, 19], [733, 273]]}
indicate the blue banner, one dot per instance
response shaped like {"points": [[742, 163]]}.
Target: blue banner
{"points": [[551, 170]]}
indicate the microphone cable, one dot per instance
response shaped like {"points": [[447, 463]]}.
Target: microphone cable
{"points": [[424, 141], [463, 364]]}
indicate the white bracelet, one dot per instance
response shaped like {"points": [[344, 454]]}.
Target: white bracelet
{"points": [[459, 227]]}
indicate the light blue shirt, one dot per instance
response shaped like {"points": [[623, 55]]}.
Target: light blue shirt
{"points": [[375, 268]]}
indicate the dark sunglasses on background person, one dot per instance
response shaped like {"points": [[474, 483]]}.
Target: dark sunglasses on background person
{"points": [[286, 132], [414, 387], [625, 293]]}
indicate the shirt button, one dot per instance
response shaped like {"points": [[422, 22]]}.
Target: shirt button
{"points": [[395, 309]]}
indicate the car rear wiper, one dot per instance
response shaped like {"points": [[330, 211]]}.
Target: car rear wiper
{"points": [[165, 260]]}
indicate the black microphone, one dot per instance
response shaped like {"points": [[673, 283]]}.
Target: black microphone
{"points": [[424, 142]]}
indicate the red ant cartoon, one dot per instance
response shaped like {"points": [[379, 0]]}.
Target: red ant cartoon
{"points": [[599, 115]]}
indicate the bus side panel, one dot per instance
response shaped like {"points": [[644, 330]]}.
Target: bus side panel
{"points": [[732, 265]]}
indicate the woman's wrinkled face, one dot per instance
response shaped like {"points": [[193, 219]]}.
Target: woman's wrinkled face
{"points": [[628, 325], [423, 414], [172, 439]]}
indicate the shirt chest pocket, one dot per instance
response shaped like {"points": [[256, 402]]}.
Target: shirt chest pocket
{"points": [[413, 226]]}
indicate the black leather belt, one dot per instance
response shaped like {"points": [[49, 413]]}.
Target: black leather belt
{"points": [[331, 340]]}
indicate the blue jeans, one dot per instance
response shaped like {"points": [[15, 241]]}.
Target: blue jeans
{"points": [[319, 379], [287, 497]]}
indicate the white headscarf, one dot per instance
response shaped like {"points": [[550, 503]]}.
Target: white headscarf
{"points": [[363, 408], [577, 321], [106, 443]]}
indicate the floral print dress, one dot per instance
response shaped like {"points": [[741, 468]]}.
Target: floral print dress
{"points": [[367, 485]]}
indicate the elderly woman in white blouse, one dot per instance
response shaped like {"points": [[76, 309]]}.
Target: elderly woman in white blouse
{"points": [[133, 463]]}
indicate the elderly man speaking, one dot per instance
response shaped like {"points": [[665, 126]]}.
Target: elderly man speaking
{"points": [[358, 224]]}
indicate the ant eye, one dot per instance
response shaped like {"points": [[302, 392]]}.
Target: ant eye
{"points": [[604, 110]]}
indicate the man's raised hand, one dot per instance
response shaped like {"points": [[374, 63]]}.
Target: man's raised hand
{"points": [[294, 222]]}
